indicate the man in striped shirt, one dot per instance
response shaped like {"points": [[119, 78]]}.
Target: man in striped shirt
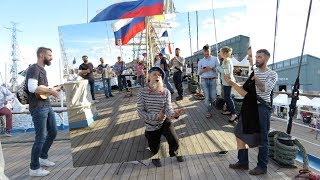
{"points": [[154, 107], [265, 80]]}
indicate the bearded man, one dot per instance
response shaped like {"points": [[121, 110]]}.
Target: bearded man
{"points": [[43, 117], [154, 107]]}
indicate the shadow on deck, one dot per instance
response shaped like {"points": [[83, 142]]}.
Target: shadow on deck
{"points": [[117, 136]]}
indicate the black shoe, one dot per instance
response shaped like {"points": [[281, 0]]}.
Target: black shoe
{"points": [[171, 92], [180, 158], [111, 95], [257, 171], [239, 166], [107, 96], [127, 90], [156, 162], [179, 98]]}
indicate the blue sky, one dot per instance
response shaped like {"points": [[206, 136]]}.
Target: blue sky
{"points": [[39, 22]]}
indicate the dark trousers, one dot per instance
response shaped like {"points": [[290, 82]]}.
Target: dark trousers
{"points": [[168, 131], [91, 83], [122, 82], [228, 99], [264, 120], [177, 80]]}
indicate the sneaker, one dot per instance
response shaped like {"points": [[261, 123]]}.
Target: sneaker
{"points": [[179, 98], [156, 162], [111, 95], [237, 165], [7, 134], [257, 171], [46, 162], [38, 172], [233, 118], [226, 113], [180, 158], [107, 97]]}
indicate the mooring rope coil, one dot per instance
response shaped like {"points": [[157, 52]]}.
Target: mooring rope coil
{"points": [[286, 154]]}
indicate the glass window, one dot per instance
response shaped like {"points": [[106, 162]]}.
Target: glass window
{"points": [[304, 59], [286, 63], [294, 61], [279, 65]]}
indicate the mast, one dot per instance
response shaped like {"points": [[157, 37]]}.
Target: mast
{"points": [[15, 57]]}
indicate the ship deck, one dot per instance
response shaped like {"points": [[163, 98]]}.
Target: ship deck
{"points": [[113, 144]]}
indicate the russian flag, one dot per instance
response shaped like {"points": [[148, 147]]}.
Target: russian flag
{"points": [[126, 29], [130, 9]]}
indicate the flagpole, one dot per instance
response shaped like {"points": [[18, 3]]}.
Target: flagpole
{"points": [[147, 46], [215, 31]]}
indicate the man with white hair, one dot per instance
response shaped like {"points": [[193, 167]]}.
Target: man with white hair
{"points": [[5, 96]]}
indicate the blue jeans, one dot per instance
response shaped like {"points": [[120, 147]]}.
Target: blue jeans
{"points": [[166, 82], [91, 83], [141, 80], [177, 79], [46, 131], [106, 86], [209, 88], [228, 99], [122, 82], [264, 120]]}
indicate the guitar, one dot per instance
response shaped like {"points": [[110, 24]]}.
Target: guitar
{"points": [[46, 95], [85, 72]]}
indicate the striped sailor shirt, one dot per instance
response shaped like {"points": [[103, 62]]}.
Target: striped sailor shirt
{"points": [[149, 105], [269, 79]]}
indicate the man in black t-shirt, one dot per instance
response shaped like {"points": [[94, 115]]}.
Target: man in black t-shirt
{"points": [[87, 73], [165, 67], [41, 111]]}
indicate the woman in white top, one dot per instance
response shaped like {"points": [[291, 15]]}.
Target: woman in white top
{"points": [[226, 68], [156, 61]]}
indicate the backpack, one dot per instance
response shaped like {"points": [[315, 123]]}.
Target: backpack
{"points": [[23, 93]]}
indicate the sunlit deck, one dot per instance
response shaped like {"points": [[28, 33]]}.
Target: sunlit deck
{"points": [[117, 136]]}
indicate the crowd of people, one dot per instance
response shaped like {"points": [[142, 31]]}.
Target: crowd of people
{"points": [[154, 101]]}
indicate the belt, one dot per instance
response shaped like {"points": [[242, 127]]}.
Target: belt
{"points": [[212, 78]]}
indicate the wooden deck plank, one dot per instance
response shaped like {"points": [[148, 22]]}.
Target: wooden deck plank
{"points": [[200, 139]]}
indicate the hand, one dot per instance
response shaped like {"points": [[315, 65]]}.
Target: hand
{"points": [[54, 93], [177, 113], [161, 115], [227, 78]]}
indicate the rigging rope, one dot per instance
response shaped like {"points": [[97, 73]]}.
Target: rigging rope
{"points": [[295, 91], [189, 34], [274, 45]]}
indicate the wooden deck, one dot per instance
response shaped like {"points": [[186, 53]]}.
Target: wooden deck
{"points": [[117, 136]]}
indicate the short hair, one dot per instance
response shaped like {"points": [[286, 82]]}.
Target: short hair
{"points": [[206, 47], [264, 51], [42, 50], [160, 54], [178, 49], [84, 56], [118, 57]]}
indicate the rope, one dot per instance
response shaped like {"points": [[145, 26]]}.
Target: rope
{"points": [[189, 34], [274, 45], [286, 154], [296, 87]]}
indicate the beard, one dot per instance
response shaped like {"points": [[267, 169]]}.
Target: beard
{"points": [[259, 64], [156, 85], [47, 62]]}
